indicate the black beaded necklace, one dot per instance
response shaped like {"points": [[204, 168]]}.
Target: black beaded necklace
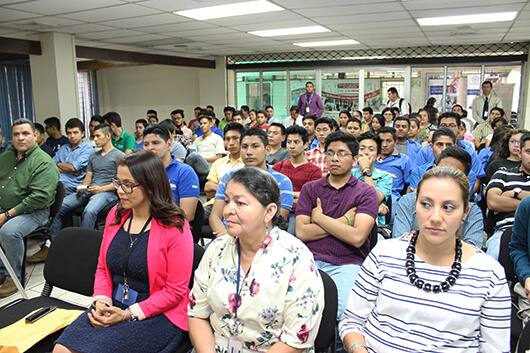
{"points": [[444, 286]]}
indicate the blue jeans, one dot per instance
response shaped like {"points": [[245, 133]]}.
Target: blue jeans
{"points": [[93, 203], [493, 245], [14, 230], [292, 223]]}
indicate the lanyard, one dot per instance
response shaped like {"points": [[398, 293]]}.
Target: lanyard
{"points": [[238, 290], [308, 100], [126, 257]]}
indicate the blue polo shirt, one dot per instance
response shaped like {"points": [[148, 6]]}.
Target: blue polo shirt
{"points": [[413, 148], [78, 157], [417, 174], [426, 156], [183, 180], [313, 143], [286, 187], [215, 130], [398, 166]]}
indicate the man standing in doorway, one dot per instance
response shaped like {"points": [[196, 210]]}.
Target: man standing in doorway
{"points": [[484, 103], [310, 102]]}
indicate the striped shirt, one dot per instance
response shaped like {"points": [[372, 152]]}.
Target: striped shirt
{"points": [[318, 158], [395, 316], [507, 180]]}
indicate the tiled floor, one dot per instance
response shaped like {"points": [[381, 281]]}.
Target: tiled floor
{"points": [[35, 283]]}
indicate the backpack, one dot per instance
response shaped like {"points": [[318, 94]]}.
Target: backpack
{"points": [[400, 104]]}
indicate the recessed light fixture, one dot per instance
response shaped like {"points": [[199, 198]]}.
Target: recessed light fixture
{"points": [[230, 10], [289, 31], [327, 43], [461, 19]]}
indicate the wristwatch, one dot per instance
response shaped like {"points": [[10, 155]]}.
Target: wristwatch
{"points": [[8, 216], [367, 173], [516, 193]]}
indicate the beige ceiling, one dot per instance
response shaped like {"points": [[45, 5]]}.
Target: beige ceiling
{"points": [[149, 26]]}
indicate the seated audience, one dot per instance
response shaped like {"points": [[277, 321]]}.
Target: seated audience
{"points": [[335, 215], [183, 181], [344, 116], [389, 116], [323, 127], [369, 151], [254, 150], [485, 128], [378, 121], [297, 168], [426, 127], [94, 121], [269, 113], [193, 125], [121, 140], [55, 138], [415, 129], [520, 245], [29, 183], [354, 127], [237, 117], [178, 118], [278, 305], [294, 118], [473, 226], [5, 143], [177, 148], [368, 114], [428, 290], [209, 145], [152, 117], [497, 122], [404, 144], [252, 118], [140, 125], [261, 121], [276, 136], [213, 126], [508, 153], [141, 283], [505, 190], [39, 129], [228, 112], [308, 122]]}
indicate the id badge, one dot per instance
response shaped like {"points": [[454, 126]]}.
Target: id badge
{"points": [[234, 346], [130, 299], [307, 109]]}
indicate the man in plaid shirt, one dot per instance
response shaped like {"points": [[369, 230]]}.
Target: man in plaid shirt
{"points": [[323, 127]]}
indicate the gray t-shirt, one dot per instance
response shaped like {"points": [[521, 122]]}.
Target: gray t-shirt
{"points": [[178, 150], [401, 147], [104, 168], [281, 155]]}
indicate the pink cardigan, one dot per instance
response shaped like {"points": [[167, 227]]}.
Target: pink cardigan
{"points": [[169, 264]]}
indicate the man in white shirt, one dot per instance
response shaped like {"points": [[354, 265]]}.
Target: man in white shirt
{"points": [[484, 103], [210, 146], [295, 118], [395, 101]]}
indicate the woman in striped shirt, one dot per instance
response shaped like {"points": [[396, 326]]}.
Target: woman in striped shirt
{"points": [[428, 291]]}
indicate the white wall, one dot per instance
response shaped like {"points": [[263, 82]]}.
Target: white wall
{"points": [[132, 90]]}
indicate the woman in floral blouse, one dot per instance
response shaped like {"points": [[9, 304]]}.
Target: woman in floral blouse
{"points": [[256, 288]]}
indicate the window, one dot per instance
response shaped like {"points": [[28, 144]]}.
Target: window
{"points": [[88, 103]]}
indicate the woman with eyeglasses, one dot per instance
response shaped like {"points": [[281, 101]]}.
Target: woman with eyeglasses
{"points": [[141, 283]]}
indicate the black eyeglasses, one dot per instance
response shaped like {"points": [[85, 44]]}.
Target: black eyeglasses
{"points": [[125, 187]]}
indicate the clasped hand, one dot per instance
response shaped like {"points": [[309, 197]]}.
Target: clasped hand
{"points": [[105, 316]]}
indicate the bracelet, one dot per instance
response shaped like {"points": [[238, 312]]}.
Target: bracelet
{"points": [[348, 218], [125, 313], [133, 318], [357, 345]]}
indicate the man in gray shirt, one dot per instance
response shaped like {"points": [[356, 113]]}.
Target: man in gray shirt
{"points": [[276, 136], [96, 191]]}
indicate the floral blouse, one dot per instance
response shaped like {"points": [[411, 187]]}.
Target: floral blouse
{"points": [[281, 299]]}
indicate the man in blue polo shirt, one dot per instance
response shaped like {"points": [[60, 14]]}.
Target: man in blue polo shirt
{"points": [[182, 178], [452, 121], [254, 150], [405, 145], [397, 164]]}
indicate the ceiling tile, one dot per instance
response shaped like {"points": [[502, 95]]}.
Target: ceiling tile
{"points": [[448, 4], [379, 18], [111, 13], [264, 18], [14, 15], [177, 27], [111, 34], [172, 5], [136, 39], [449, 11], [350, 9], [85, 28], [52, 7], [144, 21]]}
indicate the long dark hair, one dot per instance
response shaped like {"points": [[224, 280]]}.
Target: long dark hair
{"points": [[503, 150], [148, 171]]}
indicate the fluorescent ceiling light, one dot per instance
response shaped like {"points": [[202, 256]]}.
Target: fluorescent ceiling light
{"points": [[327, 43], [230, 10], [465, 19], [289, 31]]}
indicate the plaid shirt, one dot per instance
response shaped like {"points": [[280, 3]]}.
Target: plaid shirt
{"points": [[318, 158], [186, 142], [6, 145]]}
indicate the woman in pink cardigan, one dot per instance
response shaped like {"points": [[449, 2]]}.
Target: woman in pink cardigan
{"points": [[141, 286]]}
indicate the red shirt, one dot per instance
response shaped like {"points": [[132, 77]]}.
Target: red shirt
{"points": [[298, 175]]}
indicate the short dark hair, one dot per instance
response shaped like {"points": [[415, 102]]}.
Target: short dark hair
{"points": [[500, 110], [327, 121], [206, 116], [524, 138], [210, 106], [105, 128], [387, 130], [369, 110], [159, 130], [349, 140], [255, 131], [178, 111], [295, 108], [236, 113], [309, 82], [269, 106], [458, 105], [282, 128], [73, 123], [141, 121], [97, 118], [229, 109], [392, 90], [23, 121], [297, 130], [52, 121], [354, 120], [402, 118], [39, 128], [168, 124], [347, 112], [449, 115], [443, 131], [312, 117], [245, 108], [233, 127], [413, 119], [197, 108], [369, 135], [499, 119], [487, 83], [396, 111], [260, 112], [152, 111], [459, 154], [113, 117]]}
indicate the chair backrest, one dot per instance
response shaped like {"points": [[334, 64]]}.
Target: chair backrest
{"points": [[59, 196], [326, 331], [198, 252], [524, 340], [504, 255], [388, 216], [373, 236], [196, 224], [72, 259]]}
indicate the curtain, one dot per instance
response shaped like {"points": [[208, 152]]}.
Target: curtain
{"points": [[16, 95]]}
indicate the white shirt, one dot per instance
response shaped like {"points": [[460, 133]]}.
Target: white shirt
{"points": [[403, 109], [210, 146]]}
